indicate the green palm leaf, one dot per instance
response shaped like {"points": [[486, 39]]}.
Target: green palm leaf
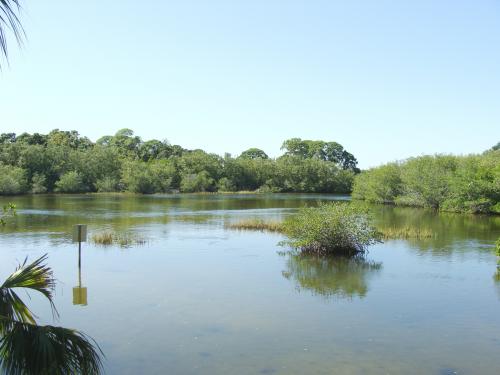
{"points": [[28, 349], [25, 347], [12, 308], [35, 276], [9, 10]]}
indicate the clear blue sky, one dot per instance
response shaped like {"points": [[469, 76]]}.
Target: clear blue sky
{"points": [[387, 79]]}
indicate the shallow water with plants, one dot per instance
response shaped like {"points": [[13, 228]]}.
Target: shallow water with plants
{"points": [[187, 294]]}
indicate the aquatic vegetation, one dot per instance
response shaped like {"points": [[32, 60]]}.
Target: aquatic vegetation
{"points": [[8, 210], [497, 246], [257, 224], [407, 232], [28, 348], [331, 228], [108, 238]]}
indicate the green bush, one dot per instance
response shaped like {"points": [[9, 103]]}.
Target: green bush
{"points": [[70, 182], [449, 183], [12, 180], [199, 182], [295, 174], [38, 184], [147, 177], [225, 184], [378, 185], [107, 184], [332, 228]]}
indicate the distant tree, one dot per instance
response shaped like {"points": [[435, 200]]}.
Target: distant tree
{"points": [[7, 138], [328, 151], [253, 153], [154, 149], [70, 139], [28, 139], [496, 147], [105, 140], [296, 147]]}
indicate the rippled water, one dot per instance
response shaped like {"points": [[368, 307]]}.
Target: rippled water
{"points": [[200, 299]]}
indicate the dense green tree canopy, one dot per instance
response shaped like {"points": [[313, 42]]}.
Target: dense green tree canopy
{"points": [[450, 183], [253, 153], [66, 162], [327, 151]]}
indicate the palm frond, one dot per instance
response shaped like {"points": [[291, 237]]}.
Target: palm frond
{"points": [[12, 308], [9, 10], [36, 276], [28, 349]]}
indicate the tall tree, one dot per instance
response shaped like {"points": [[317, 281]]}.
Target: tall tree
{"points": [[253, 153]]}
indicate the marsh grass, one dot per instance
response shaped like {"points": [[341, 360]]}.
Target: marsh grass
{"points": [[407, 232], [257, 224], [336, 228], [109, 238]]}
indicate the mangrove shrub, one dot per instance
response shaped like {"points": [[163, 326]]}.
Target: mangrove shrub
{"points": [[331, 228], [445, 182]]}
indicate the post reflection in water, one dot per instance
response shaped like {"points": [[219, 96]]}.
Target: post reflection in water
{"points": [[80, 292], [331, 276]]}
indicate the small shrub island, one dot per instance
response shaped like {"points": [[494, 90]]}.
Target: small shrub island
{"points": [[331, 229], [337, 228]]}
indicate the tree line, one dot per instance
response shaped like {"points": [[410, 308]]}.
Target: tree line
{"points": [[449, 183], [66, 162]]}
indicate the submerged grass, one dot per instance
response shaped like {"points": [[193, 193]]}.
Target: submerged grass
{"points": [[407, 232], [257, 224], [108, 238]]}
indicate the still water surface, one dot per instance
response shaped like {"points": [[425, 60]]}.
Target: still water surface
{"points": [[200, 299]]}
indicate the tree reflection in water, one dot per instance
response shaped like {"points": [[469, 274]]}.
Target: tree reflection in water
{"points": [[331, 276]]}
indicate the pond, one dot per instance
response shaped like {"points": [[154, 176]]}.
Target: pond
{"points": [[198, 298]]}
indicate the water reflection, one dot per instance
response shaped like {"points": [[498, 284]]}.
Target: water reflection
{"points": [[42, 217], [452, 232], [79, 291], [331, 276], [496, 278]]}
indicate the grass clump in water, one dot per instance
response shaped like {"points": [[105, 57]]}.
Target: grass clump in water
{"points": [[407, 233], [331, 229], [108, 238], [257, 224]]}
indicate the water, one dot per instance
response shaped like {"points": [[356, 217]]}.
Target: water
{"points": [[200, 299]]}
